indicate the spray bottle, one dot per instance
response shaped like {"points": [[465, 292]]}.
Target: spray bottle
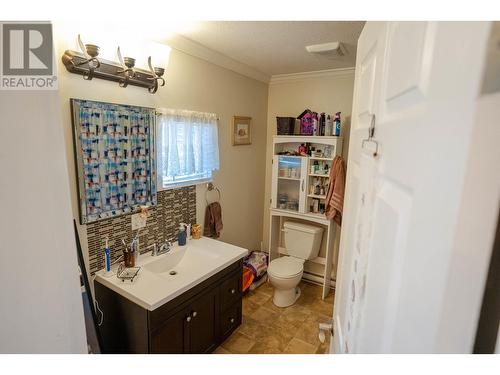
{"points": [[337, 124]]}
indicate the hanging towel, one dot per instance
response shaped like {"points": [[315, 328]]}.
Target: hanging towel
{"points": [[213, 220], [336, 189]]}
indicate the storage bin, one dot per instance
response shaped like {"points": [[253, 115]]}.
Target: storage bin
{"points": [[286, 125]]}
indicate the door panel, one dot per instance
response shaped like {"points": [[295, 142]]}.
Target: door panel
{"points": [[367, 76], [397, 246], [367, 90], [409, 60], [391, 221], [203, 327], [171, 337]]}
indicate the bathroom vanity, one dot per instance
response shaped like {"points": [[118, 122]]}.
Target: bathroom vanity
{"points": [[185, 301]]}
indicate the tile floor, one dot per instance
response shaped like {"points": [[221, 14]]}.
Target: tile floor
{"points": [[267, 328]]}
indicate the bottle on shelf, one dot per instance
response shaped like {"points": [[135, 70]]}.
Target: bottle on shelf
{"points": [[322, 121], [337, 124], [328, 126]]}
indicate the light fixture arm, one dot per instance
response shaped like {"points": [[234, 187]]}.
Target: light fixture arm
{"points": [[127, 70], [157, 78], [90, 53]]}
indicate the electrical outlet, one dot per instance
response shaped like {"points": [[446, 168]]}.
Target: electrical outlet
{"points": [[138, 221]]}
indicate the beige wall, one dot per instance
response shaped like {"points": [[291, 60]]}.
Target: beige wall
{"points": [[41, 309], [193, 84], [289, 96]]}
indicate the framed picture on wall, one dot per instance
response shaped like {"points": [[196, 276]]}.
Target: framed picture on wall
{"points": [[241, 130], [115, 157]]}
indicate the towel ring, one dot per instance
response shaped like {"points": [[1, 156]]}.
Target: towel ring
{"points": [[211, 187]]}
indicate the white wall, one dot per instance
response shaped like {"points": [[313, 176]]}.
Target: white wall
{"points": [[41, 307], [193, 84], [327, 91]]}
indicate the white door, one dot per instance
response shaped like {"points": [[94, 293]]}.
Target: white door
{"points": [[418, 82]]}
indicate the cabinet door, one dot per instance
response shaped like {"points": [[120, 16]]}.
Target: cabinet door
{"points": [[172, 337], [289, 182], [203, 325]]}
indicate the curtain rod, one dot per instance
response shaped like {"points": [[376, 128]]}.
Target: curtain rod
{"points": [[162, 113]]}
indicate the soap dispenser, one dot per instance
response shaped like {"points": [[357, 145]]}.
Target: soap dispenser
{"points": [[181, 240]]}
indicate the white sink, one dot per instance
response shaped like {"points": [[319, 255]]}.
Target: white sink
{"points": [[180, 259], [166, 276], [166, 262]]}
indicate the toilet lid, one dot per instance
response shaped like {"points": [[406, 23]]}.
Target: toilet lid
{"points": [[286, 267]]}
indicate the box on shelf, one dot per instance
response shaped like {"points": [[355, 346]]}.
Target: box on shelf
{"points": [[286, 125]]}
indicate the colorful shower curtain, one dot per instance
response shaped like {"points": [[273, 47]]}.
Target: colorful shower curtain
{"points": [[116, 158]]}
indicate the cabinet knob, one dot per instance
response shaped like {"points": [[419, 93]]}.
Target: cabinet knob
{"points": [[231, 320], [194, 314], [188, 319], [233, 291]]}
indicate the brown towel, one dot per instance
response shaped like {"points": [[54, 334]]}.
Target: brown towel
{"points": [[336, 189], [213, 220]]}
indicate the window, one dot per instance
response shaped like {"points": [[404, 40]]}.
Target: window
{"points": [[188, 147]]}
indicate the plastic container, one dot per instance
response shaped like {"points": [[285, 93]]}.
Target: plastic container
{"points": [[181, 239], [286, 125]]}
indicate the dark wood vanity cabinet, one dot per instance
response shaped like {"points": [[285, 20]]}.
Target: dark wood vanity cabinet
{"points": [[197, 321]]}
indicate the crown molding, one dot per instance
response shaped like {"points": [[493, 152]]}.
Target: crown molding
{"points": [[284, 78], [190, 47]]}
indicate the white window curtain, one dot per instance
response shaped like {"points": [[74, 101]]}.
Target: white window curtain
{"points": [[188, 147]]}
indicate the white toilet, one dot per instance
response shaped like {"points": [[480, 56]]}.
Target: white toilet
{"points": [[302, 242]]}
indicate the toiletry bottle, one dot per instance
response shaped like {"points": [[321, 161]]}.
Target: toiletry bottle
{"points": [[187, 228], [322, 122], [181, 240], [337, 124], [107, 259], [328, 126]]}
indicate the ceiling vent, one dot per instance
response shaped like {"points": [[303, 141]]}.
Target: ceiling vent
{"points": [[332, 50]]}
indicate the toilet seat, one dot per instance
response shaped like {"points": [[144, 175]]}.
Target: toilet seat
{"points": [[286, 267]]}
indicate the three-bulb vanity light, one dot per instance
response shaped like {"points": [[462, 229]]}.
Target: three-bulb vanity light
{"points": [[87, 63]]}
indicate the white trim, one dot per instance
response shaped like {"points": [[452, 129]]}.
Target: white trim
{"points": [[284, 78], [190, 47], [317, 279], [178, 185]]}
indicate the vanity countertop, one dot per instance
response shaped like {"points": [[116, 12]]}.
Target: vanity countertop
{"points": [[193, 264]]}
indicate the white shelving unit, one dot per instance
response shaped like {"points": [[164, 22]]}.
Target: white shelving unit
{"points": [[292, 197]]}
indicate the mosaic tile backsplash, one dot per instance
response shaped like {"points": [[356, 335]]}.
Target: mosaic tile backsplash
{"points": [[173, 207]]}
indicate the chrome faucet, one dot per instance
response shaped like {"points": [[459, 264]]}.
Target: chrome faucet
{"points": [[164, 248]]}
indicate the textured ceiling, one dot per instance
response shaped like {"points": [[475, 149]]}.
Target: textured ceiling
{"points": [[277, 47]]}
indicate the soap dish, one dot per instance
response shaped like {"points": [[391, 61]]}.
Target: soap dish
{"points": [[127, 273]]}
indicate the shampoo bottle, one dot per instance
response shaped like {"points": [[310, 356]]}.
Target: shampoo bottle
{"points": [[181, 240]]}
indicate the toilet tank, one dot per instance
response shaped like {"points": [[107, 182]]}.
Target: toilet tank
{"points": [[302, 240]]}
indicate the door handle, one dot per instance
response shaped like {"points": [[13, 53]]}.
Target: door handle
{"points": [[302, 185], [194, 314], [188, 319], [233, 291], [231, 320]]}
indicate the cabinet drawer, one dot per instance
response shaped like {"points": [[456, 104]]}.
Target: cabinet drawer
{"points": [[230, 290], [230, 319]]}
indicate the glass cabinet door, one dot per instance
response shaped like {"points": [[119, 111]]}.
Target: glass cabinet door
{"points": [[289, 177]]}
